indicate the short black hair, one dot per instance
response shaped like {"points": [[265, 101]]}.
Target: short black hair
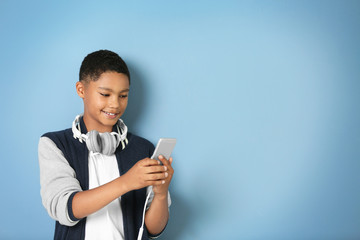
{"points": [[96, 63]]}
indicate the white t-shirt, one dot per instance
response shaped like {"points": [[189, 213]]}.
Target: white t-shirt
{"points": [[107, 223]]}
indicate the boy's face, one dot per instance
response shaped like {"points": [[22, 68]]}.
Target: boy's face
{"points": [[105, 100]]}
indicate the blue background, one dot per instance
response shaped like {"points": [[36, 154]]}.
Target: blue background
{"points": [[263, 97]]}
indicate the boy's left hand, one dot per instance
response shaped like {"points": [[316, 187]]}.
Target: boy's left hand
{"points": [[162, 189]]}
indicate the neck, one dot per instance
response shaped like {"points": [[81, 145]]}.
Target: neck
{"points": [[93, 125]]}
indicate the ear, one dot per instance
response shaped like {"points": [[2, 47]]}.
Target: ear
{"points": [[80, 89]]}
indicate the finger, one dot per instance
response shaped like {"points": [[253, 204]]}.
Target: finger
{"points": [[156, 176], [170, 160], [163, 160], [156, 183], [167, 163], [148, 162], [156, 169]]}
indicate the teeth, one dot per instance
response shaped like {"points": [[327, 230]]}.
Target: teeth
{"points": [[111, 114]]}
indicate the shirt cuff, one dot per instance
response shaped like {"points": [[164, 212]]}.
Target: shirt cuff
{"points": [[70, 213]]}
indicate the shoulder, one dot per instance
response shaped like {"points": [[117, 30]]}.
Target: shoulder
{"points": [[58, 134], [62, 139]]}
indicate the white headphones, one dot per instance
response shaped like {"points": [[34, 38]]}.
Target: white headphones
{"points": [[104, 143]]}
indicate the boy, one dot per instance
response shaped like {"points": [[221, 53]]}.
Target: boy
{"points": [[95, 176]]}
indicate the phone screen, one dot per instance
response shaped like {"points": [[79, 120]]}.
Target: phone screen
{"points": [[164, 147]]}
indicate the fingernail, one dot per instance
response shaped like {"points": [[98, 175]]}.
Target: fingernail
{"points": [[163, 182], [166, 174], [159, 162], [165, 168], [160, 157]]}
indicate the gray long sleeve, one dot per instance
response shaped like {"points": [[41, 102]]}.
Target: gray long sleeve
{"points": [[58, 181]]}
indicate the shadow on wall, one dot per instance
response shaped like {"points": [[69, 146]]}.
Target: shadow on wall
{"points": [[179, 218], [137, 99], [179, 211]]}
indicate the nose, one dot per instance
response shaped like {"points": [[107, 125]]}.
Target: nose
{"points": [[114, 102]]}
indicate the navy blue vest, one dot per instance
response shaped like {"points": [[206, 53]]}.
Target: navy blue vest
{"points": [[132, 203]]}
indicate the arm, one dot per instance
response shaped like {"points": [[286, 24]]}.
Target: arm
{"points": [[87, 202], [57, 180], [157, 215], [144, 173]]}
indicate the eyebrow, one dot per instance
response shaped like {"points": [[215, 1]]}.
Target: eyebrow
{"points": [[110, 90]]}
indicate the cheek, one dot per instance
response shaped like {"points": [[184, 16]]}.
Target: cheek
{"points": [[124, 103], [95, 102]]}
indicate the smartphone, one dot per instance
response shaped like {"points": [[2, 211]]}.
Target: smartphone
{"points": [[164, 147]]}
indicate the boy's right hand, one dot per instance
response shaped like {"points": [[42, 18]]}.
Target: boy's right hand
{"points": [[145, 172]]}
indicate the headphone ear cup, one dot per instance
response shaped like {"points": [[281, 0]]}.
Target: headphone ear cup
{"points": [[94, 141], [108, 143]]}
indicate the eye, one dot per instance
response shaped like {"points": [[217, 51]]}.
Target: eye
{"points": [[123, 96], [104, 94]]}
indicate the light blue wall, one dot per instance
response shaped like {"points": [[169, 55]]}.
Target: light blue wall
{"points": [[263, 97]]}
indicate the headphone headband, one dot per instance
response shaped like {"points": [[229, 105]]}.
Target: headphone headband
{"points": [[103, 141]]}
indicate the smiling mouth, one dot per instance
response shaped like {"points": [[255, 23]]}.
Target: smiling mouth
{"points": [[111, 115]]}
